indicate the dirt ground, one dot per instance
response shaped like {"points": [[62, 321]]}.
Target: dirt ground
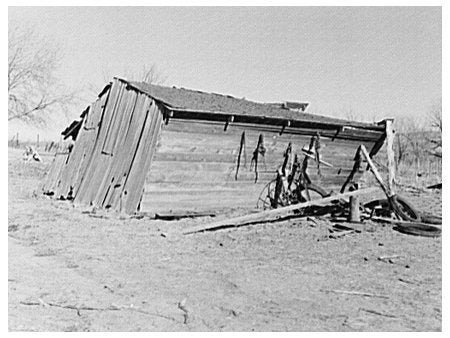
{"points": [[74, 270]]}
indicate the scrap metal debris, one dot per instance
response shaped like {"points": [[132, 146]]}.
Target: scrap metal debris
{"points": [[31, 153]]}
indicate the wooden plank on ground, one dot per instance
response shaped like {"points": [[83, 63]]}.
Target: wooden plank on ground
{"points": [[270, 215]]}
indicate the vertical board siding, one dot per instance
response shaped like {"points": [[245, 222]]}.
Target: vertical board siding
{"points": [[90, 181], [140, 165], [125, 154], [121, 152], [54, 175], [195, 163], [74, 168], [116, 139], [89, 138]]}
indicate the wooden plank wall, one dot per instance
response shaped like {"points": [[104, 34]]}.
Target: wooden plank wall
{"points": [[115, 171], [109, 161], [74, 169], [53, 180], [195, 163]]}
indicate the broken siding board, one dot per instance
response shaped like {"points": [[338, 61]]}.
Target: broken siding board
{"points": [[117, 136], [89, 183], [60, 163], [121, 158], [72, 168], [55, 170], [133, 187], [103, 159], [113, 124], [89, 135], [125, 154]]}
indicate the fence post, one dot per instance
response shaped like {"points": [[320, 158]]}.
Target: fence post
{"points": [[390, 155], [355, 215]]}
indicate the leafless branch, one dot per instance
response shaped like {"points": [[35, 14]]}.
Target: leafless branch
{"points": [[33, 89]]}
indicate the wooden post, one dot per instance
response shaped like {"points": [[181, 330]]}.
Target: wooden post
{"points": [[375, 171], [390, 156], [17, 139], [37, 142], [355, 216]]}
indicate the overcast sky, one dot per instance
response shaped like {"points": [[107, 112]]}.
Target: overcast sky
{"points": [[375, 61]]}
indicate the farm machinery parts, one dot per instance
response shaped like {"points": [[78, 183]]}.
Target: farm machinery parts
{"points": [[293, 185]]}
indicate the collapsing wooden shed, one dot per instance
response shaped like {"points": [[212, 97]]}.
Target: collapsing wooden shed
{"points": [[148, 148]]}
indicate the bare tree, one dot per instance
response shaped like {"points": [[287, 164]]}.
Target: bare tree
{"points": [[33, 90], [436, 123], [410, 138], [349, 114], [147, 74], [436, 115], [150, 75]]}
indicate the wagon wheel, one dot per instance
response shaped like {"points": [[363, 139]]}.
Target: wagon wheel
{"points": [[396, 203], [315, 192], [404, 209], [267, 196], [296, 194]]}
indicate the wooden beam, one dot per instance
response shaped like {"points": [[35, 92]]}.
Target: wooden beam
{"points": [[390, 156], [311, 154], [274, 214], [355, 215], [375, 171]]}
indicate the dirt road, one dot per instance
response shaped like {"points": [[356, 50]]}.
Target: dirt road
{"points": [[76, 271]]}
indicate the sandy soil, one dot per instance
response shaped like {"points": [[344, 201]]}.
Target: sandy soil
{"points": [[74, 270]]}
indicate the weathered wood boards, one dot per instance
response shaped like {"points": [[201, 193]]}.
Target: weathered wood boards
{"points": [[195, 165], [74, 168], [122, 152], [53, 179], [390, 155], [107, 166], [128, 158]]}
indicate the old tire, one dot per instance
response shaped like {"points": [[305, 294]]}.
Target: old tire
{"points": [[418, 229], [404, 209], [429, 218]]}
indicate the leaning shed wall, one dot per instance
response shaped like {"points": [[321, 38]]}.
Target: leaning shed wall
{"points": [[111, 156], [158, 149], [194, 167]]}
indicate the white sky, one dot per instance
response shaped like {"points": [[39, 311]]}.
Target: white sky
{"points": [[376, 61]]}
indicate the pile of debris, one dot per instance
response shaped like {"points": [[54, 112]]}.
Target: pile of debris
{"points": [[290, 195], [31, 154]]}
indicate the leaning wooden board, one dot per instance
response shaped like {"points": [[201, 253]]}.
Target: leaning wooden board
{"points": [[270, 215]]}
